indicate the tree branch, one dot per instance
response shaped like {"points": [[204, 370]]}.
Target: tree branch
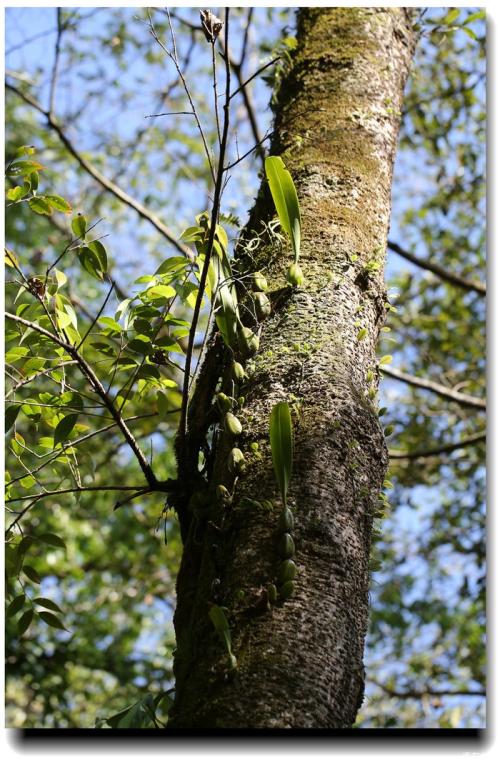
{"points": [[445, 449], [80, 489], [211, 237], [452, 278], [435, 387], [107, 184], [427, 691], [55, 68]]}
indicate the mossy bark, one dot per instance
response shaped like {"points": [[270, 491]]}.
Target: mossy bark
{"points": [[300, 662]]}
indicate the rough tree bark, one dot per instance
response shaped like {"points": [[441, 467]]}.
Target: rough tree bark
{"points": [[300, 662]]}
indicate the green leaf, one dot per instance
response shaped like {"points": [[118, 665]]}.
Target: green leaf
{"points": [[385, 360], [64, 428], [58, 203], [27, 481], [285, 200], [25, 151], [470, 33], [25, 620], [31, 573], [11, 413], [91, 262], [111, 324], [52, 620], [44, 602], [162, 404], [62, 319], [40, 205], [173, 264], [16, 193], [99, 251], [24, 167], [16, 605], [281, 438], [193, 233], [79, 226], [451, 16], [221, 625], [10, 259], [14, 354], [160, 291], [475, 16], [52, 540], [61, 278]]}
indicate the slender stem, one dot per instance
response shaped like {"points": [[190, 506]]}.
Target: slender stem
{"points": [[444, 449], [55, 69], [452, 278], [211, 237], [97, 317], [46, 372], [107, 184], [254, 148], [188, 94], [435, 387], [427, 691], [216, 97], [79, 489], [254, 75]]}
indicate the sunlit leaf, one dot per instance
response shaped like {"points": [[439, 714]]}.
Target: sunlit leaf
{"points": [[64, 428]]}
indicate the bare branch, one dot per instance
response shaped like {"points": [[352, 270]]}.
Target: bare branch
{"points": [[46, 372], [444, 449], [428, 265], [257, 148], [254, 75], [55, 68], [107, 184], [211, 237], [79, 489], [94, 321], [435, 387], [426, 691], [175, 62]]}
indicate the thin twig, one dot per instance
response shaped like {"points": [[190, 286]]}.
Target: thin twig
{"points": [[55, 68], [444, 449], [187, 91], [41, 373], [435, 387], [216, 97], [254, 148], [445, 275], [79, 489], [211, 237], [107, 184], [97, 316], [254, 75], [427, 691]]}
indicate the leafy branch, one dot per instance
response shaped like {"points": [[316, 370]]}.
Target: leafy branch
{"points": [[98, 388]]}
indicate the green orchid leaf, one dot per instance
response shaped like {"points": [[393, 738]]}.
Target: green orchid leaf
{"points": [[285, 200]]}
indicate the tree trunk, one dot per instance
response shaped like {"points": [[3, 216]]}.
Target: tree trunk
{"points": [[300, 661]]}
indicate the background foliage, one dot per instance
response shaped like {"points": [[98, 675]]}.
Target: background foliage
{"points": [[110, 572]]}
